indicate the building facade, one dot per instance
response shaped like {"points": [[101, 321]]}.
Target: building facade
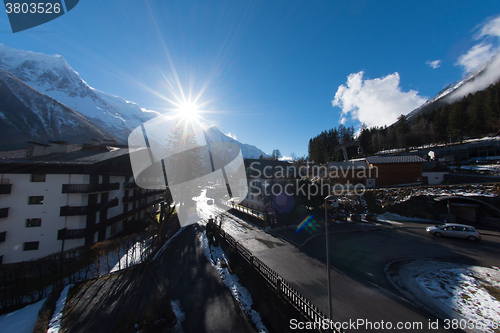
{"points": [[56, 201]]}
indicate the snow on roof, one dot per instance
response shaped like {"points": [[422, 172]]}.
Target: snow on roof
{"points": [[73, 157], [395, 159], [359, 164]]}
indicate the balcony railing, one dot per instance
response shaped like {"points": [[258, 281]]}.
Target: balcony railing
{"points": [[141, 196], [5, 188], [153, 184], [70, 234], [84, 210], [4, 212], [131, 185], [89, 188]]}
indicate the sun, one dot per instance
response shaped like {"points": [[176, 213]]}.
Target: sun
{"points": [[188, 111]]}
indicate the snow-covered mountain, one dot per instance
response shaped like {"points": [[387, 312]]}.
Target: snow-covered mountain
{"points": [[43, 98], [248, 151], [52, 76], [481, 78], [28, 115]]}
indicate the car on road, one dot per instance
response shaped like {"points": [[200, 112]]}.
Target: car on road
{"points": [[454, 230], [355, 218], [371, 217]]}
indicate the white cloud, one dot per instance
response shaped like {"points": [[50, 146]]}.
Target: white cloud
{"points": [[487, 46], [486, 50], [489, 76], [375, 102], [434, 64], [475, 57], [231, 135], [286, 158]]}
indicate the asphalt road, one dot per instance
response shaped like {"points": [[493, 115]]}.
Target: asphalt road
{"points": [[363, 255], [360, 290], [181, 273]]}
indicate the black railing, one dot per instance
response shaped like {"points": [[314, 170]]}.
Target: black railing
{"points": [[141, 196], [4, 212], [89, 188], [5, 188], [84, 210], [131, 185], [70, 234], [282, 287], [121, 217], [74, 210]]}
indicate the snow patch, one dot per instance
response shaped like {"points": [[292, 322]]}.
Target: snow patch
{"points": [[219, 260], [179, 314], [463, 293], [22, 320], [55, 322]]}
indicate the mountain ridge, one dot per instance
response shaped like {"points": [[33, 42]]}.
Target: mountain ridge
{"points": [[28, 115], [52, 80], [451, 94]]}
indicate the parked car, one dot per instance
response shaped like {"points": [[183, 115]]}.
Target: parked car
{"points": [[371, 217], [355, 218], [454, 230], [341, 217]]}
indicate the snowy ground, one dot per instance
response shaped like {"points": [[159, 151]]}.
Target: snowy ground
{"points": [[22, 320], [391, 218], [129, 258], [117, 260], [491, 169], [390, 196], [219, 260], [181, 316], [468, 295], [55, 322]]}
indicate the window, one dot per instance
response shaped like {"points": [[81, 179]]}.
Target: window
{"points": [[2, 236], [114, 228], [30, 246], [38, 177], [36, 200], [33, 223]]}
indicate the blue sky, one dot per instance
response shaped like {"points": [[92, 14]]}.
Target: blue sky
{"points": [[268, 71]]}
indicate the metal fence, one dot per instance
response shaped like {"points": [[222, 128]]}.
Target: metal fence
{"points": [[300, 303], [247, 210]]}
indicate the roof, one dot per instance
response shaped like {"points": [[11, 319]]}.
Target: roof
{"points": [[395, 159], [267, 169], [348, 165], [77, 157], [114, 161]]}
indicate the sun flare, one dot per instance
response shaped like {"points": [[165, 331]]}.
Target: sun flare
{"points": [[188, 111]]}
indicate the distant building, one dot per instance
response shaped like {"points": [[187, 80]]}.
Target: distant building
{"points": [[377, 171], [56, 198], [397, 170], [261, 175]]}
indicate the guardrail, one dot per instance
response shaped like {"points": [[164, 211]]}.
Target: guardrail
{"points": [[300, 303], [256, 213]]}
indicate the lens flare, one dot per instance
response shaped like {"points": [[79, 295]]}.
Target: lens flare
{"points": [[309, 224]]}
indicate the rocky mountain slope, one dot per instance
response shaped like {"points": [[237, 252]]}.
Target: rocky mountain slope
{"points": [[43, 99], [28, 115]]}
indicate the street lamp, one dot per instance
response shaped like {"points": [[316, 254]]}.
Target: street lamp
{"points": [[333, 200]]}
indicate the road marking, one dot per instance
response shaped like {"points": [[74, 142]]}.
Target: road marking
{"points": [[390, 292]]}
